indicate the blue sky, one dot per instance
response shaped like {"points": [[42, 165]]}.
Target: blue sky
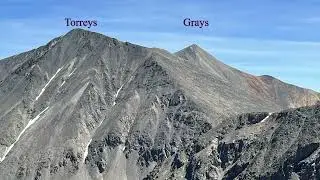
{"points": [[275, 37]]}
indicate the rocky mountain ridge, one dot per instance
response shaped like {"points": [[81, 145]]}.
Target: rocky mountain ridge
{"points": [[86, 106]]}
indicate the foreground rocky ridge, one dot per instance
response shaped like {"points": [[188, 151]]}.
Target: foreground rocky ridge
{"points": [[86, 106], [282, 145]]}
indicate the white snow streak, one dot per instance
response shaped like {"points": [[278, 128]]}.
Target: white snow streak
{"points": [[116, 95], [85, 154], [72, 72], [43, 89], [28, 125], [263, 120], [62, 83], [100, 124]]}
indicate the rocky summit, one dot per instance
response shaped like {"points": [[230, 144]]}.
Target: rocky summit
{"points": [[86, 106]]}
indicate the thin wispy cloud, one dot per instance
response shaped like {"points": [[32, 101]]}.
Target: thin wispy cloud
{"points": [[311, 20]]}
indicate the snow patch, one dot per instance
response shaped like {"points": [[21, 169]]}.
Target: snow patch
{"points": [[72, 72], [43, 89], [85, 154], [118, 91], [263, 120], [62, 83], [158, 99], [53, 44], [100, 124], [116, 95], [28, 125]]}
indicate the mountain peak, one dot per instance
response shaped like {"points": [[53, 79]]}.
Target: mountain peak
{"points": [[77, 33], [268, 77], [78, 30], [192, 52], [194, 48]]}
